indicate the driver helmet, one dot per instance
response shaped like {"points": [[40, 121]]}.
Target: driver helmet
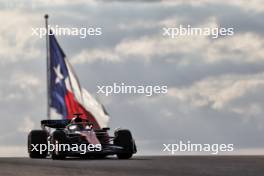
{"points": [[76, 120]]}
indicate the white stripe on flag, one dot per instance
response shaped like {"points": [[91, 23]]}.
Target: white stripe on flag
{"points": [[91, 104]]}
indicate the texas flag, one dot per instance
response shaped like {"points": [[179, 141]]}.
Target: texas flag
{"points": [[66, 95]]}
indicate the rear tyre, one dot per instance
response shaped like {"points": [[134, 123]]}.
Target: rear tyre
{"points": [[58, 137], [37, 138], [124, 139]]}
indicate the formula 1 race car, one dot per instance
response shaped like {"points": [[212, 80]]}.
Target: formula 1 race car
{"points": [[77, 138]]}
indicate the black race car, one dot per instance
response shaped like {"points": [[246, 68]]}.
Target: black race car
{"points": [[78, 138]]}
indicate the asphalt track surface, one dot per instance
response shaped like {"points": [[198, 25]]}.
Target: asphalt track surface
{"points": [[149, 166]]}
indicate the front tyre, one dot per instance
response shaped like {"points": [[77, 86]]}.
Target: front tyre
{"points": [[124, 139], [58, 137], [37, 138]]}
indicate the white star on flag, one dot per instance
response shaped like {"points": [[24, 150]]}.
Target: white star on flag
{"points": [[58, 74]]}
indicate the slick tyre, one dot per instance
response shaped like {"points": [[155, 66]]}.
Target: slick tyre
{"points": [[58, 137], [124, 139], [37, 138]]}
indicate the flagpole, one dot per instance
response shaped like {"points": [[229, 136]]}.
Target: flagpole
{"points": [[48, 65]]}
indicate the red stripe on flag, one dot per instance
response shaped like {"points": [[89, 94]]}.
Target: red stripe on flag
{"points": [[74, 107]]}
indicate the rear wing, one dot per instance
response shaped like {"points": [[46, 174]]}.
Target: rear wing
{"points": [[55, 123], [62, 123]]}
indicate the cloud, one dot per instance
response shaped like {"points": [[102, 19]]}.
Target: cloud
{"points": [[250, 111], [241, 48], [25, 81], [16, 41], [26, 125], [252, 6], [89, 56], [247, 47], [20, 86], [146, 48], [24, 4], [218, 92]]}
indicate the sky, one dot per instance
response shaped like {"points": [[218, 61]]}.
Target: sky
{"points": [[215, 86]]}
